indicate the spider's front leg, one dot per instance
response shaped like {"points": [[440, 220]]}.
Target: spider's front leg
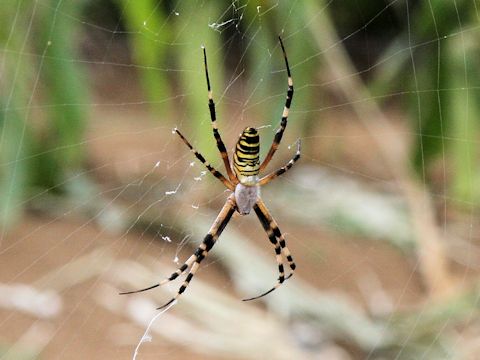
{"points": [[213, 116], [286, 110], [194, 261], [210, 168]]}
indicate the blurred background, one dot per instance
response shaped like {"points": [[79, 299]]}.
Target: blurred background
{"points": [[98, 195]]}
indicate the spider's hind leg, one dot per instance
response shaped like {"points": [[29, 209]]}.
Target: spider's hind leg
{"points": [[271, 228], [202, 251], [194, 261], [274, 226], [181, 270]]}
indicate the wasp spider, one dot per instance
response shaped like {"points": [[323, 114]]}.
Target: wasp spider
{"points": [[244, 182]]}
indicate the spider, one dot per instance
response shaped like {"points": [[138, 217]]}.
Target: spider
{"points": [[245, 183]]}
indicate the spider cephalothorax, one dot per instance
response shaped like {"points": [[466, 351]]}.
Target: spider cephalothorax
{"points": [[245, 183]]}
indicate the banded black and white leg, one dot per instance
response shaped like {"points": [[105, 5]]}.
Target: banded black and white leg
{"points": [[180, 271], [276, 231], [210, 168], [200, 254], [283, 123], [277, 239], [213, 116], [266, 179]]}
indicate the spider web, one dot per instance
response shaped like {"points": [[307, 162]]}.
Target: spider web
{"points": [[380, 213]]}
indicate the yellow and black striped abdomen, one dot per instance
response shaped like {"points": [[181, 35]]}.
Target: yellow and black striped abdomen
{"points": [[246, 159]]}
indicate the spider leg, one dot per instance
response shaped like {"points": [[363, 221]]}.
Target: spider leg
{"points": [[202, 251], [273, 232], [278, 252], [181, 270], [283, 169], [276, 230], [278, 234], [283, 123], [220, 145], [210, 168]]}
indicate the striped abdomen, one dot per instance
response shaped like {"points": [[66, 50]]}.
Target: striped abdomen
{"points": [[246, 159]]}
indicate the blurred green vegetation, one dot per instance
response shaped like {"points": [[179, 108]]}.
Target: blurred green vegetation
{"points": [[438, 47], [40, 146], [36, 69]]}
